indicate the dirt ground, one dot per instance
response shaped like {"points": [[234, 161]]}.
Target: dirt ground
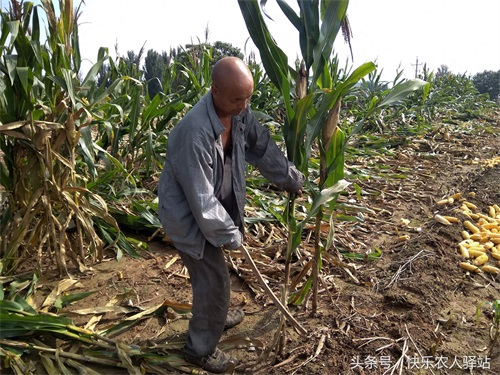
{"points": [[413, 311]]}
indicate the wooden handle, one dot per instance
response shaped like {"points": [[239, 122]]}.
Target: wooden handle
{"points": [[270, 293]]}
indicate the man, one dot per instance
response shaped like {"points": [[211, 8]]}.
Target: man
{"points": [[202, 198]]}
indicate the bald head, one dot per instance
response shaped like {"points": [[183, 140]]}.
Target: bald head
{"points": [[230, 70], [232, 86]]}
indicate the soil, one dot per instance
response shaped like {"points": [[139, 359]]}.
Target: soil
{"points": [[411, 311]]}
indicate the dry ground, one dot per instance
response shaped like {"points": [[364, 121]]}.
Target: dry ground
{"points": [[399, 314]]}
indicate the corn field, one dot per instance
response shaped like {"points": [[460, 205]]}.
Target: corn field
{"points": [[81, 154]]}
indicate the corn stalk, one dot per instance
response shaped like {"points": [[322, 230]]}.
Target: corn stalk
{"points": [[308, 110], [50, 210], [313, 112], [24, 330]]}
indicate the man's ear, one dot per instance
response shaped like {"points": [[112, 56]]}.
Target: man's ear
{"points": [[214, 89]]}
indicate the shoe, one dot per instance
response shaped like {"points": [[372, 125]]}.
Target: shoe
{"points": [[218, 362], [234, 317]]}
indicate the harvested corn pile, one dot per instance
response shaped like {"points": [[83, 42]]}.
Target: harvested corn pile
{"points": [[480, 246], [490, 163]]}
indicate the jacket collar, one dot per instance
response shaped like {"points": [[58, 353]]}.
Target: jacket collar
{"points": [[214, 119]]}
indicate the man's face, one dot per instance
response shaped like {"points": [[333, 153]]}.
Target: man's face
{"points": [[232, 98]]}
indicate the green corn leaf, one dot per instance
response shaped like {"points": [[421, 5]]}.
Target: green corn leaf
{"points": [[325, 196], [11, 65], [100, 96], [152, 109], [329, 99], [290, 14], [298, 297], [87, 150], [67, 299], [27, 9], [275, 61], [335, 156], [68, 79], [135, 112], [9, 306], [401, 91], [309, 34], [35, 27], [37, 52], [294, 133], [5, 31], [14, 32], [332, 21], [92, 73]]}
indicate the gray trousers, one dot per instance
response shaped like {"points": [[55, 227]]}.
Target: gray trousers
{"points": [[211, 292]]}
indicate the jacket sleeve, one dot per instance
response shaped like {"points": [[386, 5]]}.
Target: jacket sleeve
{"points": [[193, 167], [263, 153]]}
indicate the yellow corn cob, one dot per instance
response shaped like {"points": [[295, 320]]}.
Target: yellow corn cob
{"points": [[479, 247], [469, 243], [476, 236], [464, 251], [465, 235], [480, 260], [486, 219], [488, 245], [490, 226], [495, 255], [456, 196], [467, 213], [451, 219], [481, 221], [490, 269], [492, 211], [442, 202], [475, 253], [473, 216], [471, 226], [441, 220], [497, 208], [470, 205], [470, 267]]}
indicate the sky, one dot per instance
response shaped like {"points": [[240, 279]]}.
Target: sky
{"points": [[395, 34]]}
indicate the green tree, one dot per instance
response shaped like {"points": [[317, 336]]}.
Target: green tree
{"points": [[155, 65], [222, 49], [219, 50], [443, 71], [103, 76], [488, 82]]}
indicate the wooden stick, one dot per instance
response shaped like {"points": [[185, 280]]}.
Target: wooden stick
{"points": [[270, 293]]}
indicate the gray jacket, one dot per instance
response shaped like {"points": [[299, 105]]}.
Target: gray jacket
{"points": [[192, 176]]}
